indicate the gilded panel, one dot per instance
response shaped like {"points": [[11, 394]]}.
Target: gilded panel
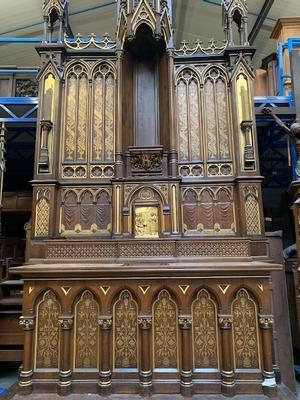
{"points": [[165, 341], [245, 333], [70, 127], [182, 121], [210, 116], [82, 119], [47, 332], [42, 213], [205, 340], [86, 332], [98, 125], [252, 211], [194, 117], [109, 118], [125, 331]]}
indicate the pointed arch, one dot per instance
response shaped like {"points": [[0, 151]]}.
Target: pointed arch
{"points": [[188, 103], [125, 332], [47, 332], [86, 332], [245, 331], [165, 331], [217, 115], [205, 331]]}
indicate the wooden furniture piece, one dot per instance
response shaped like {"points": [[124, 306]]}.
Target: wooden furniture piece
{"points": [[148, 266]]}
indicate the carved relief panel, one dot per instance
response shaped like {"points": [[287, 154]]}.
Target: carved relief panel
{"points": [[205, 336], [208, 210], [86, 332], [203, 122], [47, 332], [89, 123], [42, 213], [165, 335], [86, 211], [125, 331], [245, 331]]}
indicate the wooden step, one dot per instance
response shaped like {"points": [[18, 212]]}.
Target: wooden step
{"points": [[10, 312], [11, 282], [11, 301]]}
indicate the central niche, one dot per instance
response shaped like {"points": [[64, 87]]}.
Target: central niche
{"points": [[145, 91]]}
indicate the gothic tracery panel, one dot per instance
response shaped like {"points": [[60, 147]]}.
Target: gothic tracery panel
{"points": [[125, 331], [205, 340], [165, 340], [103, 114], [189, 116], [42, 213], [216, 115], [47, 332], [77, 111], [86, 332], [245, 332]]}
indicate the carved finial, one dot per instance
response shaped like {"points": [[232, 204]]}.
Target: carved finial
{"points": [[235, 11]]}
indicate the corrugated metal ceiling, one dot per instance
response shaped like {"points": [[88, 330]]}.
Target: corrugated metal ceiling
{"points": [[192, 19]]}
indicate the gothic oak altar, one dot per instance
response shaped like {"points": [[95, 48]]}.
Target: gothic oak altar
{"points": [[148, 267]]}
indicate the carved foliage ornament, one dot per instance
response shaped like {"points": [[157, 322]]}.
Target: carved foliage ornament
{"points": [[86, 331], [47, 332], [125, 331], [245, 334], [165, 331], [205, 331], [27, 323]]}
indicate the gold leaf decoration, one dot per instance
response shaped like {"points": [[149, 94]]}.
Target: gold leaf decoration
{"points": [[165, 331], [47, 332], [246, 345], [205, 340], [125, 331], [86, 332]]}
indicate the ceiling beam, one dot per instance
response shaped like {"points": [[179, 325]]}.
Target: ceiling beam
{"points": [[260, 20]]}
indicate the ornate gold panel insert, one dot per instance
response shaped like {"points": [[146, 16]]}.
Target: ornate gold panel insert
{"points": [[146, 222]]}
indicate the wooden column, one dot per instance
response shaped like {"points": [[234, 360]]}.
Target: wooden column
{"points": [[173, 157], [25, 379], [104, 384], [269, 383], [186, 373], [119, 119], [145, 372], [227, 372], [64, 384]]}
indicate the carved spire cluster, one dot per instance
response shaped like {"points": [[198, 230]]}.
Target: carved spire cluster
{"points": [[235, 12], [55, 11], [156, 14]]}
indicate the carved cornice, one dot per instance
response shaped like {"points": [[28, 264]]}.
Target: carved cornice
{"points": [[225, 321], [266, 321], [185, 322], [66, 323], [82, 43], [105, 323], [145, 322], [27, 323]]}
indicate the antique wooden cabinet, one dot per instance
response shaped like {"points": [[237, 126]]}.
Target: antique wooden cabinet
{"points": [[148, 267]]}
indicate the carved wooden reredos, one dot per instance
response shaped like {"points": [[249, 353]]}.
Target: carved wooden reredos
{"points": [[139, 139]]}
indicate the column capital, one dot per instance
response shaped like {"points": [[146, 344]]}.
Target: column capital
{"points": [[266, 321], [185, 321], [225, 321], [105, 323], [66, 322], [145, 322], [27, 322]]}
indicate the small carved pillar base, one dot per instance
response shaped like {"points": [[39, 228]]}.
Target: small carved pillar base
{"points": [[269, 383], [145, 372], [104, 384], [227, 373], [186, 383], [26, 373], [65, 374]]}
